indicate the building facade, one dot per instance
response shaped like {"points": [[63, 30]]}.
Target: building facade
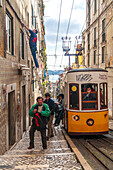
{"points": [[20, 82], [98, 40]]}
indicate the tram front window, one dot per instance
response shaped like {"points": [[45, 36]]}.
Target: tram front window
{"points": [[74, 96], [89, 96], [103, 95]]}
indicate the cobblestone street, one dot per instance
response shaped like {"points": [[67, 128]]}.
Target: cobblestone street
{"points": [[57, 156]]}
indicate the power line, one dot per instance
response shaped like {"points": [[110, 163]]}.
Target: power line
{"points": [[57, 33], [58, 27], [68, 26], [69, 19]]}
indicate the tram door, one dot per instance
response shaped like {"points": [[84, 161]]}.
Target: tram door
{"points": [[24, 107], [11, 117]]}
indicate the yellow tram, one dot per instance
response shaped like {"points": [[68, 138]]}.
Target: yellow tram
{"points": [[86, 101]]}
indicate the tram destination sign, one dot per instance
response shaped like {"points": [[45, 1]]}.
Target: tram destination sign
{"points": [[84, 77], [102, 76]]}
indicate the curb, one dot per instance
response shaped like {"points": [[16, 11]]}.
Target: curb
{"points": [[78, 155]]}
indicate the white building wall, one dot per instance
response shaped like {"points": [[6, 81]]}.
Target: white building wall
{"points": [[104, 11]]}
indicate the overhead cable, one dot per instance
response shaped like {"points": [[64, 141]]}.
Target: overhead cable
{"points": [[69, 19], [58, 27]]}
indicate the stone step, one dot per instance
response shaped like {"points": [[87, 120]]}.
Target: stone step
{"points": [[37, 151]]}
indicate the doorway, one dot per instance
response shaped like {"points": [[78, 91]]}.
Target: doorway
{"points": [[11, 118], [24, 107]]}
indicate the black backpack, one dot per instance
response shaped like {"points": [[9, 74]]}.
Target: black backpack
{"points": [[38, 122]]}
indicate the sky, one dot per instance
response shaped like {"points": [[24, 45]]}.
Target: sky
{"points": [[51, 18]]}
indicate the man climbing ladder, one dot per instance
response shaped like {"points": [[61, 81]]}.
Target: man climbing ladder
{"points": [[33, 43]]}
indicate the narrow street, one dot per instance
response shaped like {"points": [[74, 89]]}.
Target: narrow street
{"points": [[57, 156], [56, 76]]}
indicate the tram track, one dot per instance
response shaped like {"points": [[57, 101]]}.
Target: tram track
{"points": [[97, 150]]}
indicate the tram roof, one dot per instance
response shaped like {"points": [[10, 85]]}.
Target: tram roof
{"points": [[87, 70]]}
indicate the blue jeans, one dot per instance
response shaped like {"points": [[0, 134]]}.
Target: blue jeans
{"points": [[33, 51]]}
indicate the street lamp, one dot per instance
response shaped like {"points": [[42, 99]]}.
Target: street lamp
{"points": [[66, 46]]}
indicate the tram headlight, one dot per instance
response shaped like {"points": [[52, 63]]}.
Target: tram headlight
{"points": [[75, 117], [90, 122]]}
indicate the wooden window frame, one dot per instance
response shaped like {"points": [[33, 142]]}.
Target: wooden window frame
{"points": [[103, 30], [88, 41], [95, 37], [21, 44], [95, 57], [95, 6], [103, 54], [9, 34]]}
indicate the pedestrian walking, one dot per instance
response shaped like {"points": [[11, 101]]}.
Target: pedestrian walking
{"points": [[61, 110], [41, 110], [33, 43], [50, 103]]}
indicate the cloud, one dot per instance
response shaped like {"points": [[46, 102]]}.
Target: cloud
{"points": [[52, 8]]}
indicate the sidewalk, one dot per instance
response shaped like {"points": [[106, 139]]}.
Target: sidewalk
{"points": [[111, 124], [58, 156]]}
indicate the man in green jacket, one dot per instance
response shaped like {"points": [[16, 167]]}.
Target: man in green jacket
{"points": [[44, 112]]}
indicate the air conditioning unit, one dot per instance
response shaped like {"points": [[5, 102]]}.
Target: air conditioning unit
{"points": [[1, 3]]}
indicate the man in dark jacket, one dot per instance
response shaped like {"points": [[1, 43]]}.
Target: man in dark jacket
{"points": [[42, 109], [61, 109], [50, 103]]}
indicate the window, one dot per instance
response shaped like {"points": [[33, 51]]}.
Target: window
{"points": [[33, 85], [88, 12], [35, 22], [95, 37], [21, 44], [89, 41], [88, 60], [9, 32], [74, 96], [89, 96], [95, 6], [32, 14], [108, 64], [32, 67], [103, 30], [94, 57], [27, 18], [103, 54], [83, 44], [103, 95]]}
